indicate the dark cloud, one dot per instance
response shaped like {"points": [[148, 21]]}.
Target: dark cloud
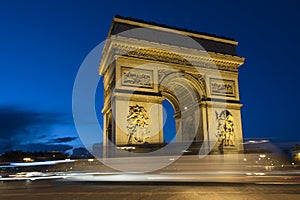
{"points": [[19, 125], [62, 140], [42, 137]]}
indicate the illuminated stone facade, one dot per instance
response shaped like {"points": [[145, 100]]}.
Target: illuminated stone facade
{"points": [[141, 70]]}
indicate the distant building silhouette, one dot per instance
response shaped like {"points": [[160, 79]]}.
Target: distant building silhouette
{"points": [[20, 156], [81, 152]]}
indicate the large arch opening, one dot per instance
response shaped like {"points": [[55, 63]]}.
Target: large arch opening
{"points": [[169, 125], [183, 94]]}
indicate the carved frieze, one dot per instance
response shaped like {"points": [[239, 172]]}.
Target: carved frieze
{"points": [[212, 60], [159, 55]]}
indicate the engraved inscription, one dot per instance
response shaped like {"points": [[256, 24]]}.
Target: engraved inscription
{"points": [[222, 87], [137, 77]]}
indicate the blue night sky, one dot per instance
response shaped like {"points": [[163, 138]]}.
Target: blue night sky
{"points": [[43, 44]]}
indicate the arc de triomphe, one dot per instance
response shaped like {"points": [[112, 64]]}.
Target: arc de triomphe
{"points": [[143, 64]]}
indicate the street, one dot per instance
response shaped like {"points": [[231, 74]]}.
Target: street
{"points": [[62, 189]]}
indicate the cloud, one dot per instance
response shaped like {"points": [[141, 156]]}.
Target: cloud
{"points": [[62, 140], [42, 137], [19, 125]]}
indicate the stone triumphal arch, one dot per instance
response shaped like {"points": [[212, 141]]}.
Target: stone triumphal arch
{"points": [[143, 64]]}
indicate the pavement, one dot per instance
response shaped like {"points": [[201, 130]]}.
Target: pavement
{"points": [[62, 189], [188, 178]]}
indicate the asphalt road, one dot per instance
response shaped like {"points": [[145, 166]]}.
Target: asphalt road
{"points": [[61, 189]]}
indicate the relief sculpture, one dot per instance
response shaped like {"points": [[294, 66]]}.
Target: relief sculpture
{"points": [[225, 130], [137, 125]]}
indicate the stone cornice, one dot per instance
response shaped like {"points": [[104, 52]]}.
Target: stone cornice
{"points": [[119, 45], [224, 104]]}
